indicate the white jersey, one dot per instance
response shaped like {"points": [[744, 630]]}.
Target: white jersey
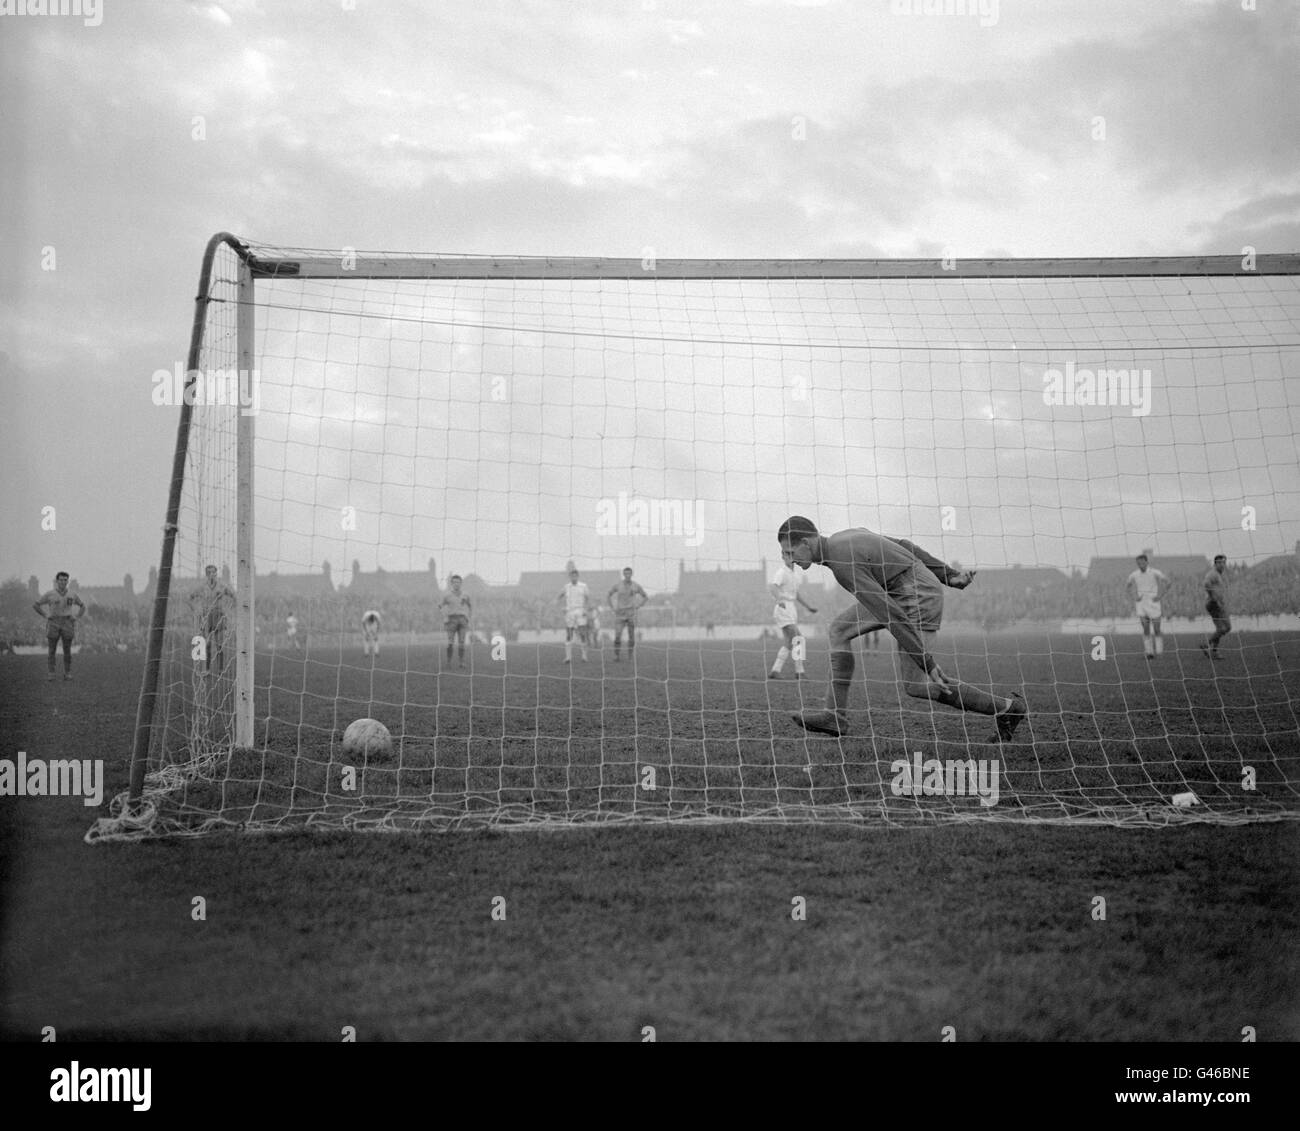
{"points": [[785, 613], [1146, 585], [575, 596], [787, 582], [370, 620]]}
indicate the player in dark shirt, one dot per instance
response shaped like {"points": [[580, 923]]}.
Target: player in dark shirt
{"points": [[897, 586], [1216, 604]]}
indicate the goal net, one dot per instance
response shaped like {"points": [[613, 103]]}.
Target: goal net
{"points": [[358, 428]]}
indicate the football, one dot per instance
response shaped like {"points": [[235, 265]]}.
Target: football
{"points": [[367, 738]]}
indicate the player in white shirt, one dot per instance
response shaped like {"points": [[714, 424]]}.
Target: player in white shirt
{"points": [[456, 608], [575, 598], [1147, 586], [291, 630], [785, 588], [370, 632]]}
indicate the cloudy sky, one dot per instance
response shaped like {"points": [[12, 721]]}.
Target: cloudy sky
{"points": [[763, 129]]}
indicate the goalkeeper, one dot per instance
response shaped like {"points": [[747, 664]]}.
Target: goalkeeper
{"points": [[898, 586]]}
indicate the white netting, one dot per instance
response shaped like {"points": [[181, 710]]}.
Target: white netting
{"points": [[504, 428]]}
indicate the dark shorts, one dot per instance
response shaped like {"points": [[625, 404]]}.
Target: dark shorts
{"points": [[60, 632], [918, 593], [456, 624], [921, 595]]}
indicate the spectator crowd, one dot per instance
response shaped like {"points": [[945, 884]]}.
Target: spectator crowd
{"points": [[1272, 588]]}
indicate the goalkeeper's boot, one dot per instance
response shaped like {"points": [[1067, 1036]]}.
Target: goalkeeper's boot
{"points": [[823, 721], [1012, 717]]}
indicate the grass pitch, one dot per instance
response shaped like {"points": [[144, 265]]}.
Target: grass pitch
{"points": [[988, 928]]}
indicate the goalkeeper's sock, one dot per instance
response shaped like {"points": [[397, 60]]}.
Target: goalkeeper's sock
{"points": [[1160, 645], [970, 698], [837, 698], [781, 658]]}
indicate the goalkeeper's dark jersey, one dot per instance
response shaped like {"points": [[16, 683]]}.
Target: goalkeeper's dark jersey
{"points": [[870, 565], [860, 554]]}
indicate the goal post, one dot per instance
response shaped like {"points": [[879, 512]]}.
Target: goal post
{"points": [[206, 339], [354, 427], [244, 543]]}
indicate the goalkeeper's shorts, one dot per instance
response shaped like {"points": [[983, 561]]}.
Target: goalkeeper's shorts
{"points": [[917, 593]]}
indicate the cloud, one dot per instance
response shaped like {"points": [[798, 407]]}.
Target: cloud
{"points": [[214, 12], [491, 128], [1270, 223], [1205, 95], [683, 31]]}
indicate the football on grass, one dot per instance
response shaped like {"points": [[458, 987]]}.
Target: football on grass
{"points": [[367, 738]]}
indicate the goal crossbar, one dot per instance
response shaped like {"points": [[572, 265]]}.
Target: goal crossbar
{"points": [[348, 264]]}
